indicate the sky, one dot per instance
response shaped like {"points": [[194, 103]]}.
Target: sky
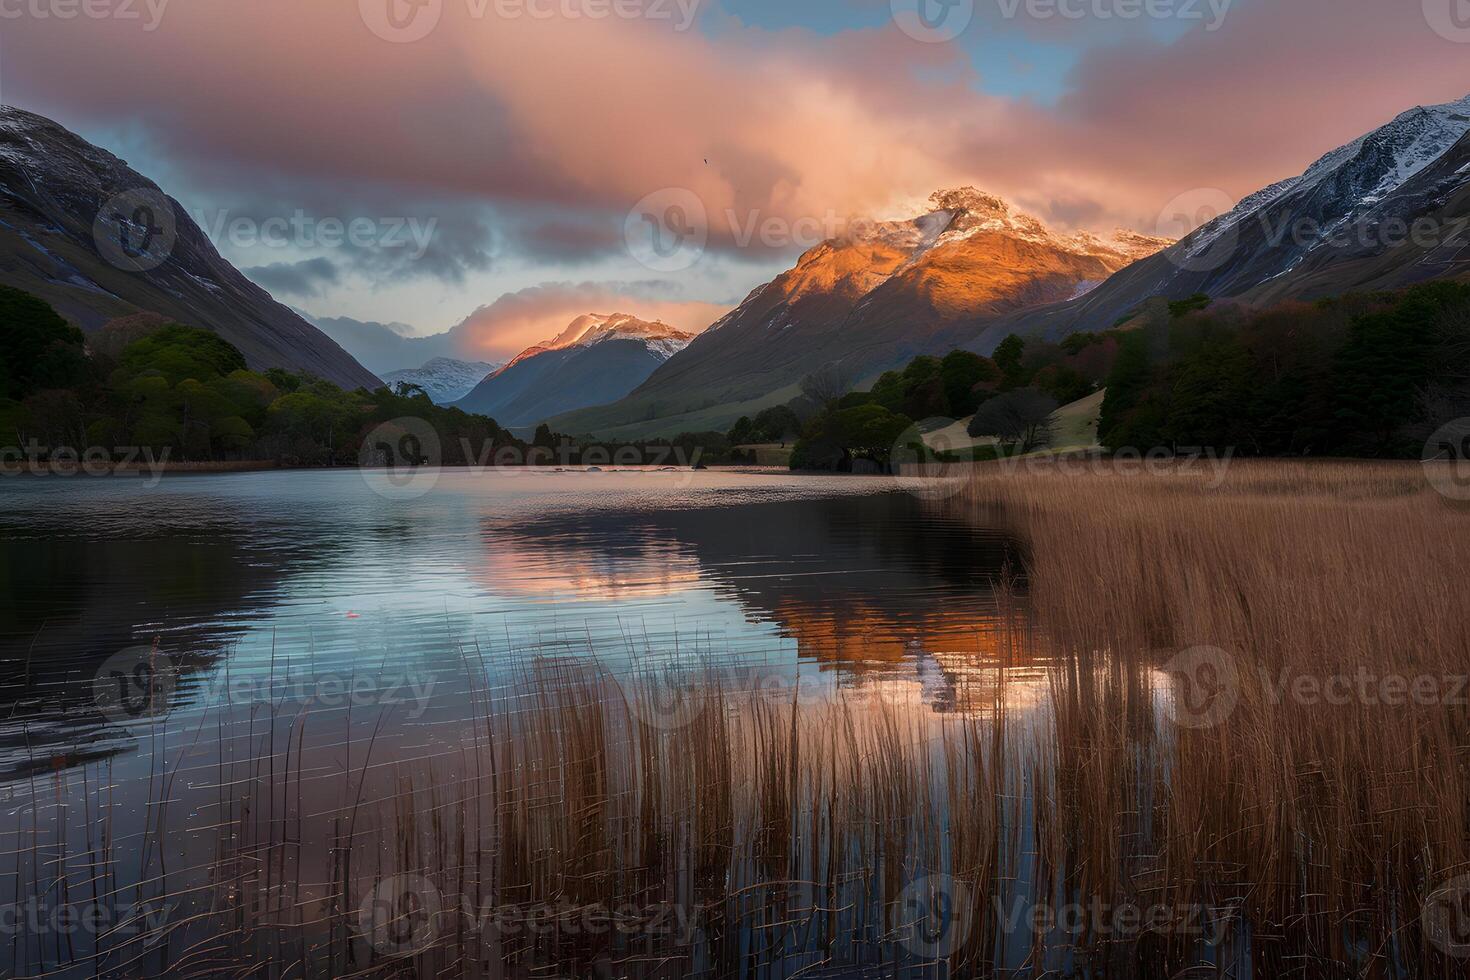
{"points": [[507, 165]]}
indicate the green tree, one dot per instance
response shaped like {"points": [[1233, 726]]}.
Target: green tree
{"points": [[1127, 383], [778, 424], [233, 434], [743, 432], [840, 436], [1384, 366], [962, 373], [41, 350], [1008, 357], [1020, 418], [178, 352]]}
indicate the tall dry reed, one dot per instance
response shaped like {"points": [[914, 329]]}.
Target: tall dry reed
{"points": [[1315, 814]]}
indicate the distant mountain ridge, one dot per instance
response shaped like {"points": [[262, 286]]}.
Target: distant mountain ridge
{"points": [[1347, 223], [870, 300], [55, 188], [444, 379], [597, 359], [385, 347]]}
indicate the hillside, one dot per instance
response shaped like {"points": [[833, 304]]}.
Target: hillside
{"points": [[1385, 211], [597, 359], [867, 302], [97, 240]]}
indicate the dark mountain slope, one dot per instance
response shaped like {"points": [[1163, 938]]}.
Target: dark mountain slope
{"points": [[97, 240]]}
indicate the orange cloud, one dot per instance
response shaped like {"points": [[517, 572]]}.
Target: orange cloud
{"points": [[593, 115]]}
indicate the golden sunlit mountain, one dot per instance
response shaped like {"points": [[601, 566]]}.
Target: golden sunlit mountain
{"points": [[867, 301]]}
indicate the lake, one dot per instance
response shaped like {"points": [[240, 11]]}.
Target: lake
{"points": [[175, 650], [1076, 718]]}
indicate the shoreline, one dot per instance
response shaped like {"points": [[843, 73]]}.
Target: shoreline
{"points": [[72, 470]]}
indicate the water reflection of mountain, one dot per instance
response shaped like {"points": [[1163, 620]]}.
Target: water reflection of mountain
{"points": [[858, 581], [72, 597]]}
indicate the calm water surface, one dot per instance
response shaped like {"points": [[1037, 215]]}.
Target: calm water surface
{"points": [[223, 666], [304, 575]]}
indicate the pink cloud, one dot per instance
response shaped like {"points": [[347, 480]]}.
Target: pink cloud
{"points": [[596, 114]]}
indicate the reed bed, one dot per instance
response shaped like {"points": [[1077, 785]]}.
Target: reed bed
{"points": [[655, 824], [1323, 803]]}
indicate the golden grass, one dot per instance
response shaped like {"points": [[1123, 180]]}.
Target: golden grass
{"points": [[1324, 825]]}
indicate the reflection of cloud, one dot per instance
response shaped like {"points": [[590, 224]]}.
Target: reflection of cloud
{"points": [[962, 688], [511, 566], [859, 629], [859, 584]]}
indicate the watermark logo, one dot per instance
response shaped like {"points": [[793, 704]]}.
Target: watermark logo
{"points": [[671, 699], [1450, 19], [1446, 918], [1206, 462], [664, 700], [936, 915], [668, 230], [135, 684], [400, 459], [933, 21], [1194, 210], [400, 917], [918, 459], [136, 230], [401, 21], [1446, 460], [1205, 689]]}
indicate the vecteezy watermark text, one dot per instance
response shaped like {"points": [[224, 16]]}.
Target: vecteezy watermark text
{"points": [[1096, 919], [1211, 13], [404, 458], [35, 459], [139, 683], [407, 21], [1206, 684], [305, 231], [1207, 213], [405, 915], [941, 21], [1370, 688], [150, 12]]}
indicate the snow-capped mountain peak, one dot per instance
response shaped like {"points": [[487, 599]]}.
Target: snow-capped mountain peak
{"points": [[596, 328], [969, 212], [444, 379], [598, 358]]}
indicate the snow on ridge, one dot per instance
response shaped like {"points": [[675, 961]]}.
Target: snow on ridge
{"points": [[443, 379], [1413, 140], [591, 329]]}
